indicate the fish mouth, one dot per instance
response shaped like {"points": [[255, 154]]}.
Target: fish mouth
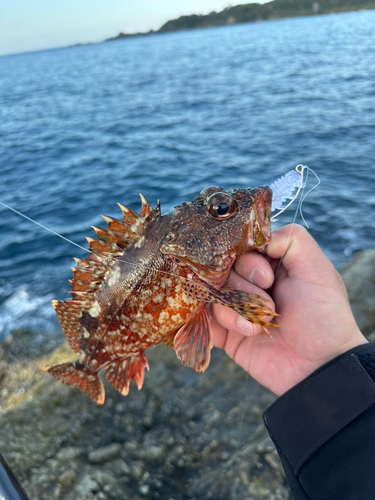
{"points": [[259, 231]]}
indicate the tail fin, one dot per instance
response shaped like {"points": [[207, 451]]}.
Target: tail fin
{"points": [[89, 383]]}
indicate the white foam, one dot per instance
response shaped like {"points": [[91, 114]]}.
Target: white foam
{"points": [[21, 310]]}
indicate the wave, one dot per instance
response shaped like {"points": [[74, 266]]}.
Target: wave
{"points": [[22, 310]]}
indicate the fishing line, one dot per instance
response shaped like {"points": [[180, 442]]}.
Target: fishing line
{"points": [[44, 227], [242, 400], [301, 170], [81, 247], [294, 217], [308, 192]]}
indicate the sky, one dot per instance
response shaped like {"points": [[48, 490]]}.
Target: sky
{"points": [[27, 25]]}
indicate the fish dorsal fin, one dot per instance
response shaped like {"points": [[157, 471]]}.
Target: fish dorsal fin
{"points": [[87, 278], [90, 273], [121, 234], [147, 212], [157, 209]]}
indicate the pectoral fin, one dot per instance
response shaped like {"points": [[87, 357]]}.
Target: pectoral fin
{"points": [[193, 342], [252, 307]]}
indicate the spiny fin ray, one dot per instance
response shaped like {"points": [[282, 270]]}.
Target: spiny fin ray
{"points": [[67, 313], [132, 219], [122, 370], [252, 307], [88, 276], [147, 212], [193, 342]]}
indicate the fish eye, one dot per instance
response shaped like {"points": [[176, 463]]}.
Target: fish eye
{"points": [[221, 206]]}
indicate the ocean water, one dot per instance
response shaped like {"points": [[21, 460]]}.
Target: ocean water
{"points": [[167, 115]]}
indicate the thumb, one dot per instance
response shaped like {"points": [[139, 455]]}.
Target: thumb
{"points": [[300, 252]]}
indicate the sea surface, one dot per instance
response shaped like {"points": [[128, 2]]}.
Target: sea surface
{"points": [[167, 115]]}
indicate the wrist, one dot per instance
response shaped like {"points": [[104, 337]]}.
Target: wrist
{"points": [[358, 340], [311, 367]]}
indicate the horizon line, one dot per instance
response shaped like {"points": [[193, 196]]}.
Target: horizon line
{"points": [[158, 32]]}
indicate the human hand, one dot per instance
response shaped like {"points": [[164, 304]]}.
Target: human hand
{"points": [[316, 322]]}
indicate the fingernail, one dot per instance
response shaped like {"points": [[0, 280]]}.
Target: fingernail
{"points": [[245, 326], [257, 277]]}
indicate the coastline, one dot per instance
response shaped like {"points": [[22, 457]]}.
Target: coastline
{"points": [[244, 14], [166, 28]]}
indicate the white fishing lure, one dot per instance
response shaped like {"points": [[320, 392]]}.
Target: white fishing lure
{"points": [[285, 189]]}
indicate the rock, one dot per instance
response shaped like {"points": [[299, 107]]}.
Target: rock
{"points": [[155, 452], [359, 279], [144, 489], [274, 461], [67, 478], [105, 454], [266, 446], [137, 470], [120, 468], [68, 453], [86, 486]]}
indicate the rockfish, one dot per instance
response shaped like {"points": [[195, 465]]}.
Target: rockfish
{"points": [[148, 280]]}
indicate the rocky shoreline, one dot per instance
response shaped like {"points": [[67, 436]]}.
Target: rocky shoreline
{"points": [[185, 436]]}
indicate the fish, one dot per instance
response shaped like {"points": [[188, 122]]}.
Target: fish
{"points": [[149, 278]]}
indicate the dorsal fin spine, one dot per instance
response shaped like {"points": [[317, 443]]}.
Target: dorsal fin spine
{"points": [[89, 273], [147, 211]]}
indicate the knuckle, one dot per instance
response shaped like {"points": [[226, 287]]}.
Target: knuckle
{"points": [[299, 230]]}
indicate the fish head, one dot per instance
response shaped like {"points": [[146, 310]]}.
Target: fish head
{"points": [[218, 225]]}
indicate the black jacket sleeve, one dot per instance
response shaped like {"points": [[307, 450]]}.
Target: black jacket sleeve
{"points": [[324, 430]]}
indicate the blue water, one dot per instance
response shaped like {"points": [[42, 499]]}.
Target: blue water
{"points": [[85, 127]]}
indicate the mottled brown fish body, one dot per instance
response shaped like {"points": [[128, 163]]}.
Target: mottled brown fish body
{"points": [[148, 280]]}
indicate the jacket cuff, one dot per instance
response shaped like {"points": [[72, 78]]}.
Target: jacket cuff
{"points": [[304, 418]]}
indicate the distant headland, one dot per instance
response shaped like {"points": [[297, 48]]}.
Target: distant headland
{"points": [[252, 12]]}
